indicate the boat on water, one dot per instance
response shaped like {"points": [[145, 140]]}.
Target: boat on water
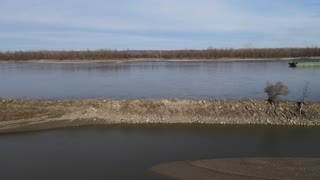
{"points": [[304, 64]]}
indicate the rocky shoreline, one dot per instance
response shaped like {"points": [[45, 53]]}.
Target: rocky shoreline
{"points": [[27, 115]]}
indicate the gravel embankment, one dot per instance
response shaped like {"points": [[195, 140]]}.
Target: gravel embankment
{"points": [[21, 115]]}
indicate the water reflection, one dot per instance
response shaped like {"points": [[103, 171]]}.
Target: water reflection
{"points": [[153, 80]]}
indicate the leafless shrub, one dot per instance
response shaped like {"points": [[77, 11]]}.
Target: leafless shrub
{"points": [[276, 90], [305, 95]]}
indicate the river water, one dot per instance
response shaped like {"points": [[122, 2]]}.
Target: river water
{"points": [[154, 80], [128, 152]]}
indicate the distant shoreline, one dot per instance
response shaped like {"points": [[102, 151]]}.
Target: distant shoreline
{"points": [[210, 54], [162, 60], [29, 115]]}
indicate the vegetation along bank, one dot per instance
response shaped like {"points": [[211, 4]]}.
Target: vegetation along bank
{"points": [[188, 54]]}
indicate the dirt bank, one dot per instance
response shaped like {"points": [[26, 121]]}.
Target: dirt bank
{"points": [[243, 168], [21, 115]]}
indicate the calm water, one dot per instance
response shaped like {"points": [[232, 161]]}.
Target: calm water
{"points": [[120, 152], [154, 80]]}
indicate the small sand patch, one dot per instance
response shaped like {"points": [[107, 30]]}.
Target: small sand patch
{"points": [[243, 168]]}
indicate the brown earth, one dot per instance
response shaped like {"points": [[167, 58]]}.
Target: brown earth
{"points": [[23, 115]]}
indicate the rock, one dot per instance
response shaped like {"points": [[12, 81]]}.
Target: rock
{"points": [[92, 110], [281, 109], [293, 122]]}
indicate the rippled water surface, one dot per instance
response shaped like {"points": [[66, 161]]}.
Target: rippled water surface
{"points": [[154, 80]]}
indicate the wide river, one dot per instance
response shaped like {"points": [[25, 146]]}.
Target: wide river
{"points": [[128, 152], [120, 152], [154, 80]]}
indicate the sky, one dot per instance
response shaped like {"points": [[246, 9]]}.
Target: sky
{"points": [[157, 24]]}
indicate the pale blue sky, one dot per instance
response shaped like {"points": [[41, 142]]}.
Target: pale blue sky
{"points": [[157, 24]]}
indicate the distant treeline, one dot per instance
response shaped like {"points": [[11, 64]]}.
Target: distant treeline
{"points": [[165, 54]]}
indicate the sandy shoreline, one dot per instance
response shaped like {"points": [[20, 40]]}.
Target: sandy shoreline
{"points": [[242, 169], [161, 60], [27, 115]]}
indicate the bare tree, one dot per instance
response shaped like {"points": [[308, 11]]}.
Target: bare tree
{"points": [[276, 90], [210, 53], [305, 95]]}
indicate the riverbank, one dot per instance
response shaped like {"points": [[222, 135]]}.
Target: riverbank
{"points": [[162, 60], [27, 115], [210, 53], [242, 168]]}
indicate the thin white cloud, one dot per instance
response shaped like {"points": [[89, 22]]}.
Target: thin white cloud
{"points": [[288, 24], [89, 37], [165, 15]]}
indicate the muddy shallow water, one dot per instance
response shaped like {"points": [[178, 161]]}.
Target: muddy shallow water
{"points": [[128, 152], [154, 80]]}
